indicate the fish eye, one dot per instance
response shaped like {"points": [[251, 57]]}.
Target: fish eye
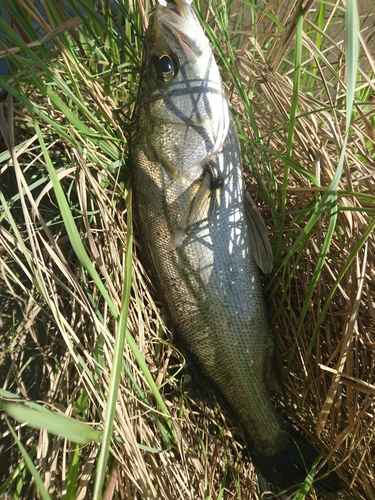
{"points": [[164, 66]]}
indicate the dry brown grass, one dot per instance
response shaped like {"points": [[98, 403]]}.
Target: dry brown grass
{"points": [[331, 377], [57, 348]]}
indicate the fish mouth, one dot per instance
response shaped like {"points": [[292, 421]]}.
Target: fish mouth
{"points": [[180, 7], [180, 19]]}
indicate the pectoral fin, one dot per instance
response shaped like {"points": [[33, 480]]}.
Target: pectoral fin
{"points": [[260, 244], [197, 210]]}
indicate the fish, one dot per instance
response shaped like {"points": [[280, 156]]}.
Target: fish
{"points": [[205, 239]]}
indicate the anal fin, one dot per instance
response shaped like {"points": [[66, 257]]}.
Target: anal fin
{"points": [[260, 245]]}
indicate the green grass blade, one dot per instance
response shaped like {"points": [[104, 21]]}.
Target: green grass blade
{"points": [[330, 196], [293, 109], [71, 228], [118, 357], [60, 425], [18, 471], [351, 54], [30, 465], [72, 475], [315, 278], [307, 484], [150, 381], [361, 242]]}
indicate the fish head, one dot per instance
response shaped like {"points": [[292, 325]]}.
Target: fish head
{"points": [[183, 111], [174, 39]]}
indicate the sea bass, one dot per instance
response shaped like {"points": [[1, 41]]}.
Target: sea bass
{"points": [[204, 236]]}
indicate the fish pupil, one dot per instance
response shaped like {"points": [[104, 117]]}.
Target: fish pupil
{"points": [[165, 64]]}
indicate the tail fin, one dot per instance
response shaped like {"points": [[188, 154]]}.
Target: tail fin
{"points": [[287, 471]]}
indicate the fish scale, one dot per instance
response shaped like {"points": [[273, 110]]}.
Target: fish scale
{"points": [[205, 238]]}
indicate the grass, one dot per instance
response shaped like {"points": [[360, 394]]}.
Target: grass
{"points": [[84, 345]]}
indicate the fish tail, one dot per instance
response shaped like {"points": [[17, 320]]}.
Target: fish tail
{"points": [[295, 467]]}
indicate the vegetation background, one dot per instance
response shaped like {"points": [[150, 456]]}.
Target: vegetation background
{"points": [[87, 359]]}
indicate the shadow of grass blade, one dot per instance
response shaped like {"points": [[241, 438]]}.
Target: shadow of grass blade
{"points": [[220, 28]]}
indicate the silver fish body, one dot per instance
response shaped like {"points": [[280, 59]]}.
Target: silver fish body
{"points": [[203, 236]]}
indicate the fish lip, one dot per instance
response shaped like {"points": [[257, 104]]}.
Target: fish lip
{"points": [[180, 7], [179, 17]]}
